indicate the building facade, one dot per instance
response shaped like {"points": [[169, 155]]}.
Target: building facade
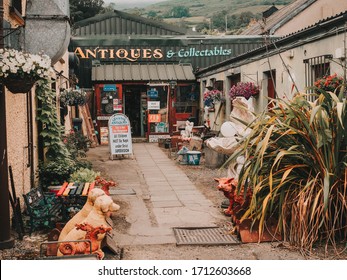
{"points": [[26, 27], [286, 66], [145, 69]]}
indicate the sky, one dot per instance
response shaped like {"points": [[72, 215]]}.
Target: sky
{"points": [[133, 3]]}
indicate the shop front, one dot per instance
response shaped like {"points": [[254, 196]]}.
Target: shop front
{"points": [[157, 105], [145, 69]]}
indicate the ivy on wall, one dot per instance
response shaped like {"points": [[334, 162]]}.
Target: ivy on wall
{"points": [[51, 128]]}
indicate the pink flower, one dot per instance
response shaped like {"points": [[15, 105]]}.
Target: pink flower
{"points": [[244, 89]]}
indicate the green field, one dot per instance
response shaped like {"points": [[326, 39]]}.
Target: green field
{"points": [[202, 11]]}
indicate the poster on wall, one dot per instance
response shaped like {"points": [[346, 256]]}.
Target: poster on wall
{"points": [[153, 105], [154, 118], [120, 142], [104, 135]]}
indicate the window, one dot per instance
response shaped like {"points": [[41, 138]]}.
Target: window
{"points": [[316, 68]]}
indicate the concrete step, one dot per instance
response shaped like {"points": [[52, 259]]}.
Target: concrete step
{"points": [[139, 140]]}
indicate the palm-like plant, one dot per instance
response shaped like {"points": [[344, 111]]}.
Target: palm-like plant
{"points": [[296, 165]]}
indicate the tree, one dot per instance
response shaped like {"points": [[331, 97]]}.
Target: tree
{"points": [[178, 12], [82, 9], [152, 14]]}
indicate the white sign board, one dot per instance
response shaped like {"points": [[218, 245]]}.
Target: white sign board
{"points": [[155, 138], [120, 135], [153, 105]]}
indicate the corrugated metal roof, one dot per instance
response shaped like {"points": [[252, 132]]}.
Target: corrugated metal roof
{"points": [[143, 72]]}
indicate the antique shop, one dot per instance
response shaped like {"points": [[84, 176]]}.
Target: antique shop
{"points": [[145, 69]]}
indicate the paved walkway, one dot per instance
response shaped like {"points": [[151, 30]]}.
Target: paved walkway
{"points": [[165, 197]]}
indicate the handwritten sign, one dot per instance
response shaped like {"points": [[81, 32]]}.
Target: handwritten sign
{"points": [[120, 135]]}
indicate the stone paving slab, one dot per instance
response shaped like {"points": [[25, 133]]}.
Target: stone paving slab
{"points": [[165, 197]]}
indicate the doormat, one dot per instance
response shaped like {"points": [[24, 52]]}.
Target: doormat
{"points": [[122, 192], [204, 236]]}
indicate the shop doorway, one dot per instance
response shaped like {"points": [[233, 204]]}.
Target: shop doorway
{"points": [[134, 109]]}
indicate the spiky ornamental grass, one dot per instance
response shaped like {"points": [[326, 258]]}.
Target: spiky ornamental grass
{"points": [[296, 165]]}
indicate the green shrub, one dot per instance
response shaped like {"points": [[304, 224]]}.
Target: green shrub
{"points": [[296, 165], [55, 173], [77, 144], [84, 175]]}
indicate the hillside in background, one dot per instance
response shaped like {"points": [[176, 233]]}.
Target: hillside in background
{"points": [[208, 16]]}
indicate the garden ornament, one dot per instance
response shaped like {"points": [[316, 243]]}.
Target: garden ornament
{"points": [[83, 213], [96, 219], [238, 201]]}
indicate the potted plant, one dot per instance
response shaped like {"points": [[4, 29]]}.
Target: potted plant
{"points": [[244, 89], [73, 97], [77, 144], [211, 96], [84, 175], [20, 70], [295, 158], [329, 83], [54, 173]]}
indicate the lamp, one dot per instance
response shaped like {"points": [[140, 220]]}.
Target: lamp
{"points": [[173, 84]]}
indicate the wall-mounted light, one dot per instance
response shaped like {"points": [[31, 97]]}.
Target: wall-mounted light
{"points": [[173, 84]]}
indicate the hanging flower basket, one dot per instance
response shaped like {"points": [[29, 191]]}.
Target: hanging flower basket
{"points": [[73, 97], [20, 70], [210, 97], [19, 84]]}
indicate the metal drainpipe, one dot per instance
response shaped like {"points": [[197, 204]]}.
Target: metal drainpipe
{"points": [[6, 241]]}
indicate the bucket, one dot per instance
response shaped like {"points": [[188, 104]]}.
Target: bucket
{"points": [[194, 157], [213, 159], [184, 159], [183, 152]]}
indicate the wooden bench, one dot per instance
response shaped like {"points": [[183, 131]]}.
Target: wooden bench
{"points": [[43, 209], [73, 196]]}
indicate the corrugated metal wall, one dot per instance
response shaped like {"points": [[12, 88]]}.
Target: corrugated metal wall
{"points": [[117, 25]]}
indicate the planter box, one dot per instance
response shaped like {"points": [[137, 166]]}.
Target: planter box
{"points": [[248, 235]]}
